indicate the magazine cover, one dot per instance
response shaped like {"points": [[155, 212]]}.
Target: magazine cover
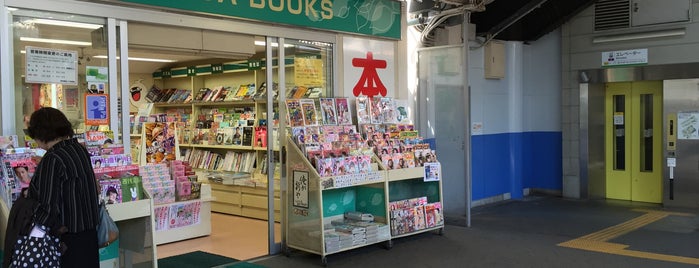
{"points": [[388, 111], [159, 143], [293, 108], [363, 110], [328, 112], [110, 191], [261, 137], [247, 136], [344, 114], [402, 112], [376, 111], [308, 106], [132, 187]]}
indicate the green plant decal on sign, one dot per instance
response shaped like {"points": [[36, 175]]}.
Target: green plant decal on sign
{"points": [[369, 17]]}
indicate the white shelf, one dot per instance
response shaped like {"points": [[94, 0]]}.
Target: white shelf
{"points": [[130, 210], [202, 228], [406, 173]]}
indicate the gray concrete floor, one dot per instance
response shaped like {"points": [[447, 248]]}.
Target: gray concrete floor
{"points": [[526, 233]]}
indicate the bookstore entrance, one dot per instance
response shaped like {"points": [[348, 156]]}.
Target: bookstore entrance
{"points": [[212, 87]]}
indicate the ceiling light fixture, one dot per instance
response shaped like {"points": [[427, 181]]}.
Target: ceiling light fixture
{"points": [[138, 59], [639, 35], [65, 23], [263, 43], [55, 41]]}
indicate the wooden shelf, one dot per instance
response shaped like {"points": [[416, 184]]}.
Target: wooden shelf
{"points": [[227, 147], [172, 105]]}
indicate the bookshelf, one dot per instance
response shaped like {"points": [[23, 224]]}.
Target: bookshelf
{"points": [[203, 125]]}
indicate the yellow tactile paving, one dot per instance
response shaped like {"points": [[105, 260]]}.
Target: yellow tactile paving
{"points": [[597, 241]]}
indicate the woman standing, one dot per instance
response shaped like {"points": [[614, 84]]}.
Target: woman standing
{"points": [[65, 187]]}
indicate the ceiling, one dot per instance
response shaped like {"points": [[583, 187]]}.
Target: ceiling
{"points": [[515, 20]]}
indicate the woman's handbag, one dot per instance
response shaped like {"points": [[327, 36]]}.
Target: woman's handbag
{"points": [[107, 230], [31, 251]]}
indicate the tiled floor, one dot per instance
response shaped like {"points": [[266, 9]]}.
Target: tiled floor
{"points": [[231, 236]]}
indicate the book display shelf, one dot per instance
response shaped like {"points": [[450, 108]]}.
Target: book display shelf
{"points": [[222, 124], [319, 202], [356, 185]]}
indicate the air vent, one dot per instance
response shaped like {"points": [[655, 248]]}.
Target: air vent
{"points": [[612, 14]]}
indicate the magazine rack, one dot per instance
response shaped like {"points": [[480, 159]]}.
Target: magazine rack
{"points": [[408, 183], [315, 201], [136, 231], [198, 229]]}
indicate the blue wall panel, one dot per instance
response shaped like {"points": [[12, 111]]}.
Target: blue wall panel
{"points": [[509, 162], [542, 160]]}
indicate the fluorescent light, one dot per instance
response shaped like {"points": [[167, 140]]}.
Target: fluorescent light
{"points": [[263, 43], [56, 41], [66, 23], [137, 59], [637, 36]]}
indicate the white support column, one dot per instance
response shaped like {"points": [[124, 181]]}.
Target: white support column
{"points": [[113, 78]]}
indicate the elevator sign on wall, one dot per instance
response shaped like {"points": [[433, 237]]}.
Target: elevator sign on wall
{"points": [[625, 57], [51, 66]]}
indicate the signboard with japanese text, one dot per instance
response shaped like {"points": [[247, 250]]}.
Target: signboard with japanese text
{"points": [[625, 57], [308, 72], [51, 66], [369, 17], [96, 109], [369, 68]]}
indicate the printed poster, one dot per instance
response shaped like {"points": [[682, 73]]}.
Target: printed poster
{"points": [[51, 66], [301, 182], [159, 142], [688, 125], [96, 109], [433, 171]]}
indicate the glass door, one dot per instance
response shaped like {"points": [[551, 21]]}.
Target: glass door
{"points": [[62, 61]]}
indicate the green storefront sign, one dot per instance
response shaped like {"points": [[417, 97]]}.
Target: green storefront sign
{"points": [[370, 17]]}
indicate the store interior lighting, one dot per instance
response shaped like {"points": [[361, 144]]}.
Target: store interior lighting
{"points": [[138, 59], [65, 23], [263, 43], [56, 41]]}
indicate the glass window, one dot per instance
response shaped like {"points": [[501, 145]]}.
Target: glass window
{"points": [[56, 65]]}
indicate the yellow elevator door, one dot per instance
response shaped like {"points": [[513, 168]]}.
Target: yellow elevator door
{"points": [[633, 140]]}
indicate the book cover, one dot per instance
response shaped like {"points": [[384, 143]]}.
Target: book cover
{"points": [[200, 94], [261, 91], [238, 136], [300, 92], [132, 187], [159, 141], [328, 112], [242, 90], [251, 91], [344, 114], [214, 94], [376, 111], [152, 94], [247, 136], [314, 93], [110, 191], [261, 137], [308, 106], [363, 110], [220, 136], [419, 217], [295, 113], [388, 111], [231, 95]]}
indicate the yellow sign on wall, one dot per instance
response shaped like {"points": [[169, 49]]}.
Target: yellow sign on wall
{"points": [[308, 72]]}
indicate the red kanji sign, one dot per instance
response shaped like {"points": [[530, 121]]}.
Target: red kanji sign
{"points": [[369, 83]]}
